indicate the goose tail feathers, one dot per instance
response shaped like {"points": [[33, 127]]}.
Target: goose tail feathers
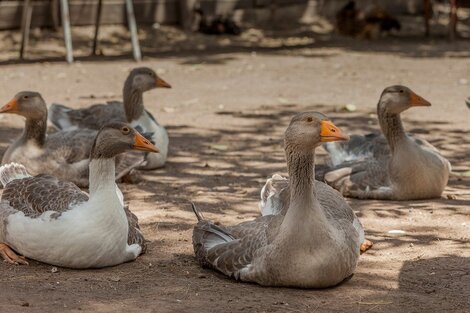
{"points": [[12, 171], [198, 213], [58, 116]]}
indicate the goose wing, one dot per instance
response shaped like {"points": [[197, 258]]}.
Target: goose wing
{"points": [[35, 195], [135, 235], [231, 249], [93, 117]]}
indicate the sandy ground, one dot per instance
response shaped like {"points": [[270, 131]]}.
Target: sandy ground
{"points": [[226, 115]]}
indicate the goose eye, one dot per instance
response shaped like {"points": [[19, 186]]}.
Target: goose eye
{"points": [[309, 119], [401, 90], [25, 97], [125, 130]]}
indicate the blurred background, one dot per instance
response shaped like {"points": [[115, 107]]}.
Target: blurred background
{"points": [[179, 25]]}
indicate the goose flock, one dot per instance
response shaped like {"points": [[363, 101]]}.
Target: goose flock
{"points": [[307, 235]]}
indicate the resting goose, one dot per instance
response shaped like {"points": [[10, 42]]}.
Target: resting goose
{"points": [[392, 166], [131, 111], [314, 245], [53, 221], [64, 154]]}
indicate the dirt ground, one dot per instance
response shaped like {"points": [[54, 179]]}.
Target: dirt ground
{"points": [[226, 115]]}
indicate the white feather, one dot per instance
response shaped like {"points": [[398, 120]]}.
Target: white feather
{"points": [[159, 137]]}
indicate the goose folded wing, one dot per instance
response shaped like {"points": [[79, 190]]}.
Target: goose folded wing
{"points": [[35, 195]]}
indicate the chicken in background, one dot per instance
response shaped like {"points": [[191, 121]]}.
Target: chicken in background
{"points": [[219, 25], [370, 24]]}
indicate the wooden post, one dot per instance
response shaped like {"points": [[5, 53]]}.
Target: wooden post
{"points": [[133, 30], [64, 5], [54, 13], [187, 14], [97, 26], [453, 19], [25, 25], [427, 15]]}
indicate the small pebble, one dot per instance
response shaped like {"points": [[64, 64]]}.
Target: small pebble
{"points": [[54, 270]]}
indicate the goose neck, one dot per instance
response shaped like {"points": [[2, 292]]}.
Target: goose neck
{"points": [[35, 130], [102, 175], [392, 128], [301, 168], [133, 102]]}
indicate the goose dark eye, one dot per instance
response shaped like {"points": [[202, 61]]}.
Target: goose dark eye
{"points": [[25, 97], [125, 130], [402, 91], [309, 119]]}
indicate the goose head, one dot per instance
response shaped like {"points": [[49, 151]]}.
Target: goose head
{"points": [[116, 138], [308, 130], [144, 79], [28, 104], [396, 99]]}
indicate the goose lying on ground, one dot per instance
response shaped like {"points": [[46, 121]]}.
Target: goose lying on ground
{"points": [[53, 221], [392, 166], [312, 246], [131, 111], [64, 154]]}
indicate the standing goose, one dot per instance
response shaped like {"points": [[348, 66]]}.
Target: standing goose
{"points": [[312, 246], [53, 221], [392, 166], [64, 154], [131, 111]]}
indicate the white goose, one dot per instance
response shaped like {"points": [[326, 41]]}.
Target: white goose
{"points": [[312, 246], [131, 110], [53, 221]]}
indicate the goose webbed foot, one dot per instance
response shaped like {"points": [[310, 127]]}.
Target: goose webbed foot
{"points": [[366, 245], [10, 256]]}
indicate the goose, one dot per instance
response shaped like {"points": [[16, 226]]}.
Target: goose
{"points": [[55, 222], [314, 245], [392, 165], [131, 111], [64, 154], [275, 198]]}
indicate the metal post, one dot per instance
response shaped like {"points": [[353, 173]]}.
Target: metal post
{"points": [[25, 25], [64, 5], [133, 30], [97, 26]]}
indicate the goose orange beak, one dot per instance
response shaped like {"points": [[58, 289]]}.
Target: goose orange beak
{"points": [[329, 132], [162, 84], [10, 107], [418, 101], [141, 143]]}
